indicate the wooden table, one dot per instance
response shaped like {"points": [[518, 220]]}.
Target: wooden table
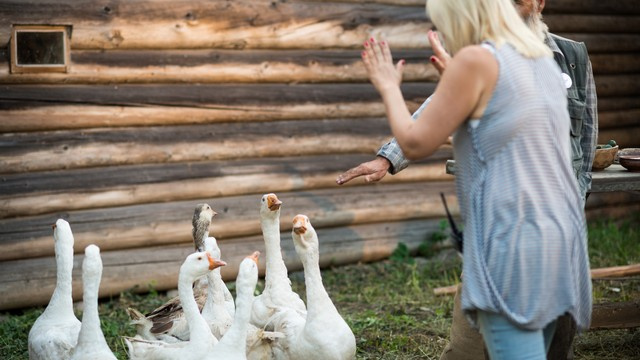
{"points": [[613, 178], [608, 315]]}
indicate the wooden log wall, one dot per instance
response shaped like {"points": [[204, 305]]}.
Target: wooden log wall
{"points": [[171, 103]]}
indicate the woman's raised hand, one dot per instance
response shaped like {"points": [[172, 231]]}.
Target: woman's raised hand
{"points": [[379, 64]]}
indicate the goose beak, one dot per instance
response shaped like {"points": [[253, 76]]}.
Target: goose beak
{"points": [[214, 213], [255, 256], [213, 263], [298, 225], [273, 202]]}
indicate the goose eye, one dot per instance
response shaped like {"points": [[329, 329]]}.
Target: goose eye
{"points": [[199, 257]]}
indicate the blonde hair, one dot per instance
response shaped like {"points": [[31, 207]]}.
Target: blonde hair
{"points": [[469, 22]]}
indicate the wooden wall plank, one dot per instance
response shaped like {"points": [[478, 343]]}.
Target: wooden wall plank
{"points": [[228, 67], [599, 43], [256, 24], [30, 282], [552, 7], [198, 95], [624, 118], [170, 223], [65, 117], [40, 151], [190, 189]]}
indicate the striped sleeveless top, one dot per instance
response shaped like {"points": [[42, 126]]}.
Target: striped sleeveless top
{"points": [[525, 251]]}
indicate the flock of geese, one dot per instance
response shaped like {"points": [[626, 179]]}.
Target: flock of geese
{"points": [[204, 321]]}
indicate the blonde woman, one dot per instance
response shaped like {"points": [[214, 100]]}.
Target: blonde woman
{"points": [[503, 98]]}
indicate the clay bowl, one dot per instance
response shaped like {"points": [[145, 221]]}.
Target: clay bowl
{"points": [[604, 158], [629, 158]]}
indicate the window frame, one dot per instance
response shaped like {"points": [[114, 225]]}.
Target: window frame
{"points": [[40, 68]]}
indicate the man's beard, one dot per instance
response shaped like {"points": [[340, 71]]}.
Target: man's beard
{"points": [[535, 23]]}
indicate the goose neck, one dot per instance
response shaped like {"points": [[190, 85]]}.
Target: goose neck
{"points": [[62, 300], [198, 327]]}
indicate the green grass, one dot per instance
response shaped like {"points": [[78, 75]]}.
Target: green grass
{"points": [[390, 304]]}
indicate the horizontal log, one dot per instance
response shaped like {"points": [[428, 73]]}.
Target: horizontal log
{"points": [[602, 43], [617, 85], [613, 119], [170, 223], [40, 151], [616, 315], [222, 66], [31, 282], [615, 271], [204, 66], [206, 96], [225, 95], [64, 117], [617, 103], [189, 189], [552, 7], [256, 24], [619, 23], [613, 112], [214, 24], [615, 63]]}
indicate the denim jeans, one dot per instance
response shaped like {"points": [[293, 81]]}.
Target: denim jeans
{"points": [[504, 340]]}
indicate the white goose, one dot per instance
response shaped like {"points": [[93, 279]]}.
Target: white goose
{"points": [[324, 334], [215, 310], [167, 322], [55, 333], [201, 341], [233, 345], [277, 293], [91, 342]]}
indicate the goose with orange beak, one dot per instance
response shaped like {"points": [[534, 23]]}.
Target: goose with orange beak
{"points": [[324, 334], [201, 341], [277, 293]]}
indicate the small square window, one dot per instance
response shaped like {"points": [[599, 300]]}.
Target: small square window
{"points": [[40, 48]]}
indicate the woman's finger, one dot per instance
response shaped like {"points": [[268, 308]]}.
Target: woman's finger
{"points": [[369, 47], [386, 52]]}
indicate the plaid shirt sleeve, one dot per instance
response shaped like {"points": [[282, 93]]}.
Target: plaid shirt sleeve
{"points": [[391, 150], [589, 133]]}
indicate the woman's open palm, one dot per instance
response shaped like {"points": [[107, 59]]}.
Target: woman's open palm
{"points": [[379, 64]]}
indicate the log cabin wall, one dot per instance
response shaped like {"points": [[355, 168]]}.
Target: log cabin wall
{"points": [[167, 104]]}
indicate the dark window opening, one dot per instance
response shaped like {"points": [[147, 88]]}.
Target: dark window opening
{"points": [[39, 48]]}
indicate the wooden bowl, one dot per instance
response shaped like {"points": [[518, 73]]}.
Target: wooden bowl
{"points": [[629, 158], [604, 158]]}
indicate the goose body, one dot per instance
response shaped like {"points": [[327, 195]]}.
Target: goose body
{"points": [[323, 334], [54, 334], [233, 345], [201, 341], [91, 342], [167, 323], [277, 293], [215, 310]]}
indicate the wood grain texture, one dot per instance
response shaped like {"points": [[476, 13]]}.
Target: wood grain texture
{"points": [[189, 189]]}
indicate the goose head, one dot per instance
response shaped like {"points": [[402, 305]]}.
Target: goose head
{"points": [[199, 264], [248, 272], [92, 264], [270, 205], [304, 235], [202, 216], [62, 232]]}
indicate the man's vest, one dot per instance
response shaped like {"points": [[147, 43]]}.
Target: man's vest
{"points": [[574, 64]]}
